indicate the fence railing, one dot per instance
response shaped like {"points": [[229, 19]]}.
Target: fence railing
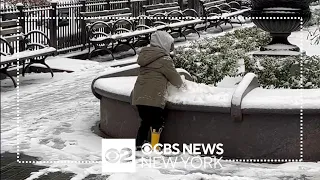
{"points": [[61, 22]]}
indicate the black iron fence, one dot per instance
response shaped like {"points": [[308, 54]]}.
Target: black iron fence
{"points": [[61, 21]]}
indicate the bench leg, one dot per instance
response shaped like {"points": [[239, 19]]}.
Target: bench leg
{"points": [[48, 67], [229, 22], [139, 39], [125, 43], [115, 47], [182, 35], [132, 47], [193, 29], [90, 53], [33, 61], [102, 49], [218, 24], [109, 51], [24, 70], [178, 31], [239, 20], [5, 72], [206, 26]]}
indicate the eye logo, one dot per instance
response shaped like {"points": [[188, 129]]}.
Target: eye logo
{"points": [[146, 148]]}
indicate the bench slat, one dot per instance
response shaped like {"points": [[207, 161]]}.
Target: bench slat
{"points": [[8, 23], [125, 35], [107, 21], [214, 3], [27, 54], [108, 18], [185, 23], [161, 5], [231, 14], [106, 12], [13, 30], [13, 38], [163, 10]]}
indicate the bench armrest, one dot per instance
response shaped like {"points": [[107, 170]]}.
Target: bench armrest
{"points": [[27, 40], [120, 23], [192, 11], [234, 9], [31, 46], [245, 7], [225, 11], [172, 14], [213, 9], [159, 23], [142, 26]]}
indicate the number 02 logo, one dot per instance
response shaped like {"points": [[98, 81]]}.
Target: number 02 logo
{"points": [[113, 155]]}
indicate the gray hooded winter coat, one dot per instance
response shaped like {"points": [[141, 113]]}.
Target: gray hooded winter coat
{"points": [[156, 70]]}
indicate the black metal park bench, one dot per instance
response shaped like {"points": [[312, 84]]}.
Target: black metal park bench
{"points": [[217, 12], [173, 18], [29, 50], [108, 29]]}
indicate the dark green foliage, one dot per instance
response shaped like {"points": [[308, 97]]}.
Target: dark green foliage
{"points": [[209, 60]]}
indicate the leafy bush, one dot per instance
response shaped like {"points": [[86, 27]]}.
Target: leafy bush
{"points": [[314, 2], [315, 18], [275, 72], [209, 60]]}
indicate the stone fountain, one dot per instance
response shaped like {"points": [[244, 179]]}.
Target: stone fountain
{"points": [[280, 18]]}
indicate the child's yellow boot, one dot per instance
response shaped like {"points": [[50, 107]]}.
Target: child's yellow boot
{"points": [[155, 137]]}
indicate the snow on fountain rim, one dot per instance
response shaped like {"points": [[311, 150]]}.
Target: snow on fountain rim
{"points": [[280, 46], [206, 95], [281, 9], [195, 94]]}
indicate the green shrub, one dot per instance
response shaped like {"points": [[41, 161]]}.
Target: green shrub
{"points": [[275, 72], [209, 60], [315, 18]]}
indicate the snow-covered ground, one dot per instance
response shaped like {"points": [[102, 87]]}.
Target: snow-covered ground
{"points": [[57, 114]]}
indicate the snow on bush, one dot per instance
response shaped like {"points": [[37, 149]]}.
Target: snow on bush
{"points": [[212, 59], [314, 35], [275, 72], [209, 60]]}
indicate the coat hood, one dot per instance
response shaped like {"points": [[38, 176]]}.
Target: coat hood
{"points": [[160, 45], [162, 40]]}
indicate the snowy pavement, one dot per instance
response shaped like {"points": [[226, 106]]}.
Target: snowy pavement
{"points": [[56, 116]]}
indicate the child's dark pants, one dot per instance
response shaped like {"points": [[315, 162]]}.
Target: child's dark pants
{"points": [[151, 117]]}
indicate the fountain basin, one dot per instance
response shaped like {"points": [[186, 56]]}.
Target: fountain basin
{"points": [[251, 122]]}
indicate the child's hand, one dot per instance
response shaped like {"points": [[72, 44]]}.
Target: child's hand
{"points": [[172, 54]]}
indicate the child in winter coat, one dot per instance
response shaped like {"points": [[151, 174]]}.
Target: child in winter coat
{"points": [[156, 70]]}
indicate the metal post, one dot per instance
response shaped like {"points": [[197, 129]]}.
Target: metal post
{"points": [[21, 17], [53, 25], [83, 25]]}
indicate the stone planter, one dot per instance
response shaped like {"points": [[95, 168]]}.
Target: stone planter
{"points": [[280, 18], [261, 4]]}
